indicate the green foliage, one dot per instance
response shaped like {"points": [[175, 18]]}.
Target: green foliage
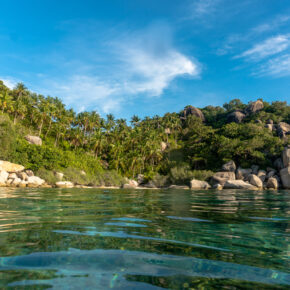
{"points": [[160, 180], [108, 148], [47, 175]]}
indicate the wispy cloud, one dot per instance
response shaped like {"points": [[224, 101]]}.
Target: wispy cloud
{"points": [[203, 7], [276, 67], [135, 64], [268, 47]]}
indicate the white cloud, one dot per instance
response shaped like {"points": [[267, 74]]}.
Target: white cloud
{"points": [[9, 82], [268, 47], [277, 67], [135, 64]]}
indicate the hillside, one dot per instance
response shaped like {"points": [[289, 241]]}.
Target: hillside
{"points": [[170, 149]]}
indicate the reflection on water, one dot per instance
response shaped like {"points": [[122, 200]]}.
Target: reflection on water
{"points": [[124, 239]]}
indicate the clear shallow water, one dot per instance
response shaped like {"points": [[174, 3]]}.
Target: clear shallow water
{"points": [[150, 239]]}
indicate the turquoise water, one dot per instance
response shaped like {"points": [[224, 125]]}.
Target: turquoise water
{"points": [[144, 239]]}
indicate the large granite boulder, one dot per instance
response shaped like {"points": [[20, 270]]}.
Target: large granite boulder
{"points": [[198, 184], [34, 181], [283, 129], [229, 166], [255, 107], [255, 180], [3, 177], [33, 140], [222, 177], [272, 183], [286, 157], [190, 110], [239, 184], [285, 177], [59, 175], [10, 167], [64, 184], [243, 173], [236, 117]]}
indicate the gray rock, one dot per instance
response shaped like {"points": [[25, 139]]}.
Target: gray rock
{"points": [[272, 183], [218, 186], [16, 181], [278, 163], [271, 173], [236, 117], [33, 140], [286, 157], [140, 179], [270, 121], [222, 177], [163, 146], [229, 166], [10, 167], [198, 184], [243, 173], [255, 107], [255, 169], [283, 129], [190, 110], [238, 184], [255, 180], [262, 175], [285, 177], [12, 176]]}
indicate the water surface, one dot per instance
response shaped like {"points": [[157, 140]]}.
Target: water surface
{"points": [[144, 239]]}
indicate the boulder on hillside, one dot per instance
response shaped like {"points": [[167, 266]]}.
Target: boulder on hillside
{"points": [[64, 184], [255, 180], [270, 121], [190, 110], [163, 146], [33, 140], [236, 117], [239, 184], [255, 107], [198, 184], [283, 129], [10, 167], [270, 127], [229, 166], [286, 157], [285, 177], [272, 183], [29, 172]]}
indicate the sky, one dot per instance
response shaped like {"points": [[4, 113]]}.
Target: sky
{"points": [[147, 57]]}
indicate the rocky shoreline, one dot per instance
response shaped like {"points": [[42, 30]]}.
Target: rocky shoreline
{"points": [[230, 177]]}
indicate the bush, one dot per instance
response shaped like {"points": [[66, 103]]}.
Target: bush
{"points": [[160, 180], [47, 175], [181, 175]]}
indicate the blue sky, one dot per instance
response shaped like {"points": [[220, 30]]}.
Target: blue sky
{"points": [[147, 57]]}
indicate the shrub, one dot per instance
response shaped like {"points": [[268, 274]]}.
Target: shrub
{"points": [[160, 180]]}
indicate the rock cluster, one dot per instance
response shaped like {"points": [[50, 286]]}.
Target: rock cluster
{"points": [[255, 178], [15, 175]]}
